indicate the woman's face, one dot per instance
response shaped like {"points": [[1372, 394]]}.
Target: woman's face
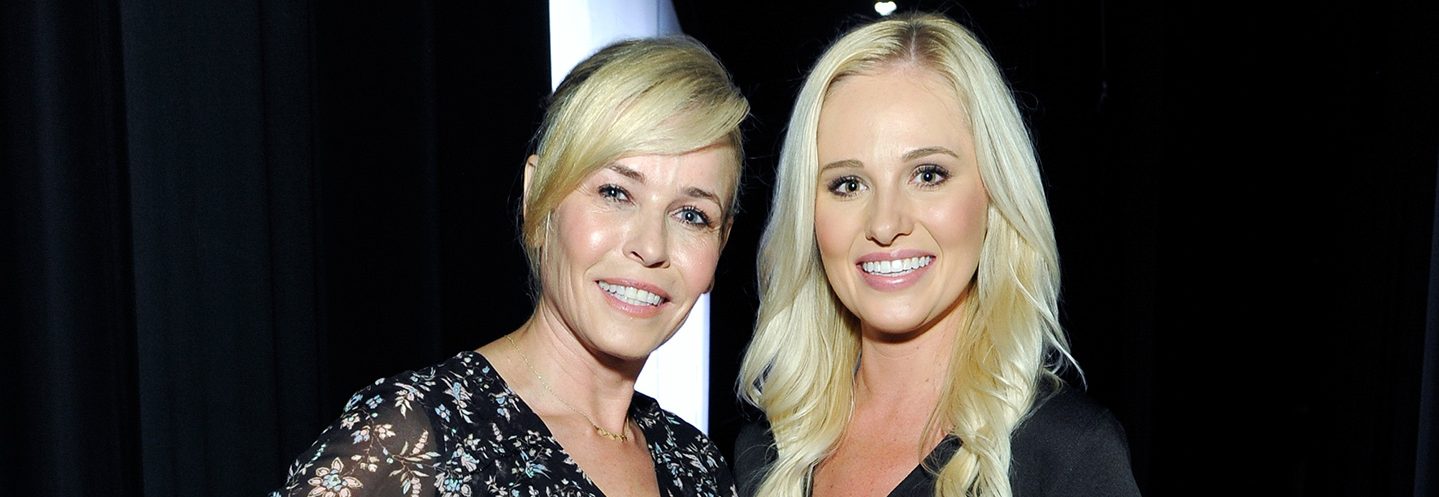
{"points": [[899, 207], [631, 250]]}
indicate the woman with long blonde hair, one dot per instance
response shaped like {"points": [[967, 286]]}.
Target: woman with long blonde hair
{"points": [[908, 341]]}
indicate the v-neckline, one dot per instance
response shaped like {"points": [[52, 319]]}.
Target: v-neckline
{"points": [[935, 459], [916, 477], [523, 409]]}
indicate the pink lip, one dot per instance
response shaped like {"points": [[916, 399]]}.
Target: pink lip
{"points": [[892, 255], [892, 283], [639, 311]]}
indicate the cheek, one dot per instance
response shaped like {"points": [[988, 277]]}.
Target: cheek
{"points": [[961, 222], [697, 257], [833, 231], [580, 237]]}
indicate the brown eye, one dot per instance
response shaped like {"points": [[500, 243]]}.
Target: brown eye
{"points": [[930, 175], [846, 186]]}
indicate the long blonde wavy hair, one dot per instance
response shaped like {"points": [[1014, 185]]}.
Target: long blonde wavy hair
{"points": [[799, 368]]}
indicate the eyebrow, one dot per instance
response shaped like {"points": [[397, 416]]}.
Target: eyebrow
{"points": [[703, 194], [841, 163], [693, 192], [908, 156], [627, 172], [928, 151]]}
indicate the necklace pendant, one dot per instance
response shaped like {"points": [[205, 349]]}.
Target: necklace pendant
{"points": [[618, 437]]}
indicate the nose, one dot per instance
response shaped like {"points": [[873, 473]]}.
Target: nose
{"points": [[648, 242], [887, 218]]}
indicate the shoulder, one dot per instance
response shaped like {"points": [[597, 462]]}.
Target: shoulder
{"points": [[441, 391], [674, 432], [754, 451], [392, 435], [1068, 413], [437, 399], [754, 444], [1071, 445], [681, 449]]}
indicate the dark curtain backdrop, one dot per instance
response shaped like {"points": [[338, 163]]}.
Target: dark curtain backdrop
{"points": [[220, 218]]}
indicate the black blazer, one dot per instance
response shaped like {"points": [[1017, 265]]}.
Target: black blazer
{"points": [[1069, 446]]}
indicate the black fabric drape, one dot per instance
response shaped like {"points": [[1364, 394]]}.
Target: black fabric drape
{"points": [[67, 345], [217, 101], [221, 218]]}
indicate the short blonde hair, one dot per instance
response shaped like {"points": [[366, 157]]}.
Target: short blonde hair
{"points": [[651, 96], [799, 367]]}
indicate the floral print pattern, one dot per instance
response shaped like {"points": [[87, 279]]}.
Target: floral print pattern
{"points": [[457, 430], [329, 482]]}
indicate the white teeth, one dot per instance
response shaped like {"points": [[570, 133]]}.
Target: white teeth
{"points": [[896, 267], [631, 295]]}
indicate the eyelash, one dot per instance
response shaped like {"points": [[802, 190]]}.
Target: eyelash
{"points": [[704, 219], [615, 193], [835, 184], [941, 174]]}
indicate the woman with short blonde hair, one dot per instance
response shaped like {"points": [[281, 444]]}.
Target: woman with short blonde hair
{"points": [[628, 202]]}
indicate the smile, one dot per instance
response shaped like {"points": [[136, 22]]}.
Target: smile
{"points": [[631, 295], [896, 267]]}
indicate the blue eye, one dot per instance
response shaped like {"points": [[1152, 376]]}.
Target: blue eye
{"points": [[693, 216], [613, 192]]}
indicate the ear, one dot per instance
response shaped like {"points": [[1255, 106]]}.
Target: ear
{"points": [[530, 163]]}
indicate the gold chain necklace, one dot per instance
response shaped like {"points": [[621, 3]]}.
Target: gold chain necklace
{"points": [[618, 437]]}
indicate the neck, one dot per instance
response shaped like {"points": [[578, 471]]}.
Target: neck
{"points": [[904, 371], [599, 385]]}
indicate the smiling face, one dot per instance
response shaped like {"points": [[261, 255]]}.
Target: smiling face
{"points": [[900, 207], [634, 246]]}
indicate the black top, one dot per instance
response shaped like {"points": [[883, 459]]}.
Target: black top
{"points": [[456, 429], [1070, 446]]}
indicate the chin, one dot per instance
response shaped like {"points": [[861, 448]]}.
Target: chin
{"points": [[889, 314], [628, 348], [894, 326]]}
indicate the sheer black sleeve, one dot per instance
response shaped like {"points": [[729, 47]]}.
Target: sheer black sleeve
{"points": [[383, 445]]}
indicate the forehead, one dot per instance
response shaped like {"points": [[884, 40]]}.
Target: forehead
{"points": [[888, 113], [713, 168]]}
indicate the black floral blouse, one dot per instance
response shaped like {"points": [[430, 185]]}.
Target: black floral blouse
{"points": [[456, 429]]}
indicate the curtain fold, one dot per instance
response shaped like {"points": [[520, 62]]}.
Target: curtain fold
{"points": [[68, 330], [221, 218], [217, 120]]}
